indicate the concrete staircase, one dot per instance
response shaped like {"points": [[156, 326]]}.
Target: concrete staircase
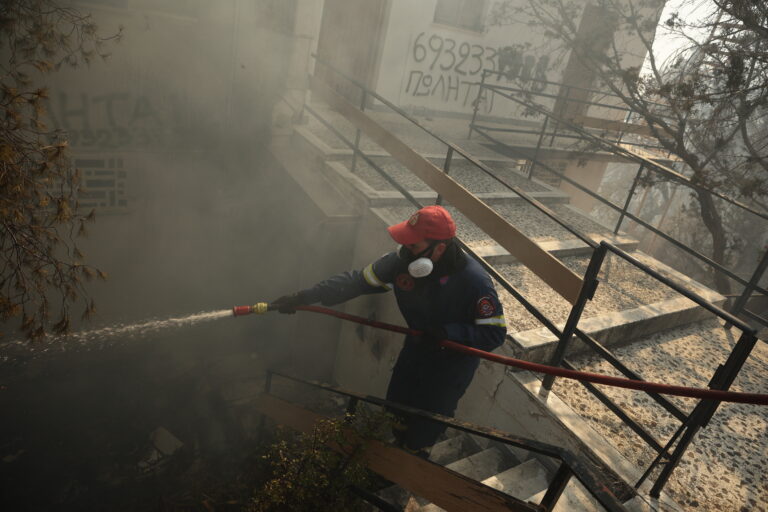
{"points": [[629, 305], [630, 309], [510, 470]]}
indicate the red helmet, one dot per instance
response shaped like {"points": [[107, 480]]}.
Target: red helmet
{"points": [[429, 223]]}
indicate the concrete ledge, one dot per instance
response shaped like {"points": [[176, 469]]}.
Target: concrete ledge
{"points": [[621, 327], [302, 168], [591, 441], [612, 329], [497, 255], [344, 179], [385, 198], [313, 141], [304, 138]]}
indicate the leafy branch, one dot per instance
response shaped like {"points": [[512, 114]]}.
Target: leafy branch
{"points": [[42, 271]]}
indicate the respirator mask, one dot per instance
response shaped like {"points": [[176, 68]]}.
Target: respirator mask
{"points": [[420, 265]]}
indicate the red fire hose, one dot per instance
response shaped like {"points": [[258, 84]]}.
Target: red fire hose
{"points": [[653, 387]]}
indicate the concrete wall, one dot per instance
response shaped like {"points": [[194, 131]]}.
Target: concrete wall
{"points": [[434, 66], [366, 356], [178, 114]]}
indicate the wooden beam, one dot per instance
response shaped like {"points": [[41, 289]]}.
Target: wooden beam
{"points": [[656, 157], [447, 489], [616, 126], [541, 263]]}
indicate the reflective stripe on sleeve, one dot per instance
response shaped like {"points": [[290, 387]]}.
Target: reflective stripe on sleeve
{"points": [[494, 320], [370, 277]]}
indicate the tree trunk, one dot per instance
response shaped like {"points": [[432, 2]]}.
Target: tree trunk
{"points": [[714, 224]]}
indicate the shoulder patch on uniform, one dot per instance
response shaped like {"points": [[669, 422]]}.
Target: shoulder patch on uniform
{"points": [[485, 308], [405, 282]]}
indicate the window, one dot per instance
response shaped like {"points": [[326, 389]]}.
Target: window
{"points": [[466, 14], [104, 184]]}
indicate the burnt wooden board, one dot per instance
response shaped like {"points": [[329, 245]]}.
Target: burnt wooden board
{"points": [[443, 487], [547, 267]]}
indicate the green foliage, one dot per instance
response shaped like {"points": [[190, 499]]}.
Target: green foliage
{"points": [[308, 475], [41, 268]]}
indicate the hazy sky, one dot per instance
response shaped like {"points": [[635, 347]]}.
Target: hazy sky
{"points": [[666, 42]]}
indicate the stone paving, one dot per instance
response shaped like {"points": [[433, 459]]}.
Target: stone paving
{"points": [[724, 468], [622, 286], [464, 172], [455, 130]]}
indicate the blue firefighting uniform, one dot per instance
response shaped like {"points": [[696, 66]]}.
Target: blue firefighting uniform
{"points": [[463, 302]]}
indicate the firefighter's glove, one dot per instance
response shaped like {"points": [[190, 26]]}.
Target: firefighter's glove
{"points": [[288, 303], [433, 335]]}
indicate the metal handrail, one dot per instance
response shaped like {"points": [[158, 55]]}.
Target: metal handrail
{"points": [[617, 149], [586, 472], [557, 96], [710, 262], [663, 401], [533, 310], [723, 377], [692, 421], [556, 134], [569, 87], [698, 299], [477, 163]]}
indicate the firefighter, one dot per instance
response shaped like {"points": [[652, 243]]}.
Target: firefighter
{"points": [[441, 292]]}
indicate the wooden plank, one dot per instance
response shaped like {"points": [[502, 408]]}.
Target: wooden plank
{"points": [[616, 126], [541, 263], [656, 157], [447, 489]]}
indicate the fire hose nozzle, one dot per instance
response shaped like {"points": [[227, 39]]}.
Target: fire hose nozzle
{"points": [[259, 309]]}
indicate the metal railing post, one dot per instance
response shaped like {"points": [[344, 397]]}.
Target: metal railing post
{"points": [[267, 390], [627, 118], [739, 304], [697, 420], [352, 405], [598, 480], [446, 170], [558, 116], [476, 103], [587, 292], [629, 199], [356, 149], [556, 487], [705, 409], [538, 147]]}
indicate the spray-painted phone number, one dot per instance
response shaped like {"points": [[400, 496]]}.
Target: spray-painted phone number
{"points": [[447, 62], [465, 59]]}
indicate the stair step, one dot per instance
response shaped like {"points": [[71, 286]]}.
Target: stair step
{"points": [[477, 466], [452, 449], [628, 305], [530, 221], [415, 137], [462, 171], [525, 479], [497, 255], [575, 498], [516, 455], [372, 192], [481, 465], [456, 446]]}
